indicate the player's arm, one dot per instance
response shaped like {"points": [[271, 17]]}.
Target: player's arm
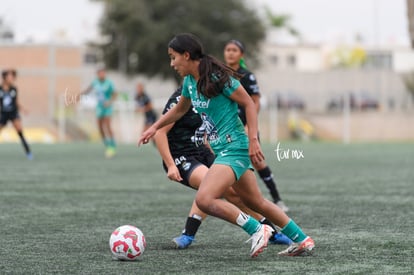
{"points": [[183, 105], [253, 90], [163, 147], [243, 99], [87, 90], [256, 100]]}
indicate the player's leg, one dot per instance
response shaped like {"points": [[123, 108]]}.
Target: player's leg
{"points": [[216, 182], [267, 177], [196, 216], [277, 237], [109, 131], [110, 141], [17, 124], [100, 122], [252, 197]]}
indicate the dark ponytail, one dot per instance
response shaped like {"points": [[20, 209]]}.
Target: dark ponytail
{"points": [[214, 75]]}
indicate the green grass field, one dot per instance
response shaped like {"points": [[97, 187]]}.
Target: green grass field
{"points": [[57, 212]]}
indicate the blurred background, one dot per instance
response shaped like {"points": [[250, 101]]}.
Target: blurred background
{"points": [[328, 69]]}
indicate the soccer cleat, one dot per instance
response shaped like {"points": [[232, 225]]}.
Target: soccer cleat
{"points": [[260, 240], [110, 152], [280, 238], [282, 206], [183, 241], [29, 156], [299, 249]]}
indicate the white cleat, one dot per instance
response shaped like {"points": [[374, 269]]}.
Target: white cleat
{"points": [[303, 248], [260, 240]]}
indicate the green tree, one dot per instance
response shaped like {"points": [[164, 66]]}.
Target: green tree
{"points": [[138, 31], [282, 22]]}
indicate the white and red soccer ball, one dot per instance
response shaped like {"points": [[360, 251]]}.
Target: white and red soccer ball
{"points": [[127, 243]]}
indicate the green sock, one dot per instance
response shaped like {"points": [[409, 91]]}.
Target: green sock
{"points": [[248, 224], [107, 142], [294, 232], [112, 143]]}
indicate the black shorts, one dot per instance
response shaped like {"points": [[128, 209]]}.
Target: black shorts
{"points": [[5, 117], [186, 163], [150, 118]]}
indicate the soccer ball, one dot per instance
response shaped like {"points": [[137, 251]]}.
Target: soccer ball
{"points": [[127, 243]]}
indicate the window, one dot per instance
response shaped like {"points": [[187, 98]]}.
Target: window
{"points": [[274, 59], [378, 61], [291, 60]]}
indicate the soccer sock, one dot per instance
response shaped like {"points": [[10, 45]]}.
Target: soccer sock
{"points": [[106, 142], [191, 226], [248, 224], [24, 142], [266, 221], [112, 142], [267, 177], [294, 232]]}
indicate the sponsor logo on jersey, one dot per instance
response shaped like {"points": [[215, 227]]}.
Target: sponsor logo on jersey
{"points": [[208, 127], [198, 103]]}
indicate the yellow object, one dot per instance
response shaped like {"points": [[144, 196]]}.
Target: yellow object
{"points": [[33, 135]]}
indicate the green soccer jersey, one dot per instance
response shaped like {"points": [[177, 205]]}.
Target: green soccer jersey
{"points": [[104, 91], [219, 115]]}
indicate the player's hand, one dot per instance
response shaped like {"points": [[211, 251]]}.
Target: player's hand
{"points": [[174, 174], [107, 103], [255, 151], [147, 135]]}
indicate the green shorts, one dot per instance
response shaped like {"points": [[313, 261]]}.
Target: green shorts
{"points": [[237, 159], [102, 111]]}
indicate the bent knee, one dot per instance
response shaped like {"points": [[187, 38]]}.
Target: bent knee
{"points": [[205, 203]]}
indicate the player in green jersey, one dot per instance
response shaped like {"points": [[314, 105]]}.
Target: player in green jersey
{"points": [[187, 161], [211, 88], [105, 93]]}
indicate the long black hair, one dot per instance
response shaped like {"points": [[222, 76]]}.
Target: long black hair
{"points": [[214, 75]]}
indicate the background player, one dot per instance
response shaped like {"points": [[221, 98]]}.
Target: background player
{"points": [[144, 104], [188, 163], [105, 93], [233, 56], [10, 107]]}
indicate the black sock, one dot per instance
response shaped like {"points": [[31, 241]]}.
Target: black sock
{"points": [[191, 226], [266, 221], [267, 177], [24, 142]]}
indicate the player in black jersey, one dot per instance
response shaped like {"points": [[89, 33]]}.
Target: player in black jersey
{"points": [[233, 56], [188, 163], [10, 107], [144, 105]]}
